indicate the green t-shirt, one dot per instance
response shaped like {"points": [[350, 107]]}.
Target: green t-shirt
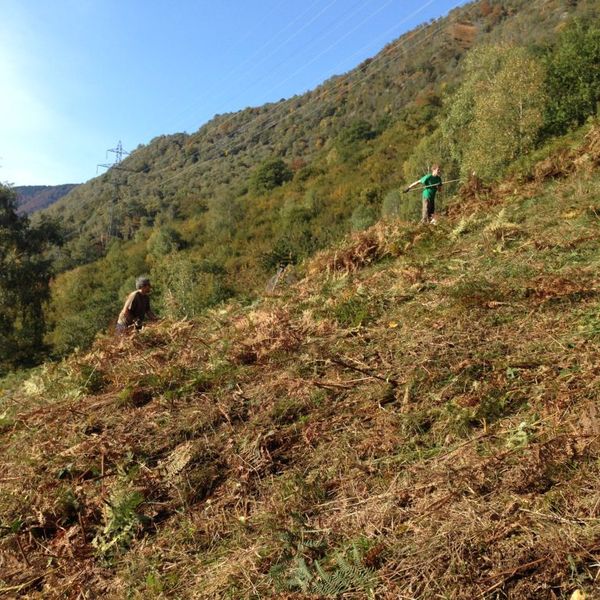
{"points": [[430, 180]]}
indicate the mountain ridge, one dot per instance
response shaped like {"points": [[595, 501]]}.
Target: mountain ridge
{"points": [[32, 198]]}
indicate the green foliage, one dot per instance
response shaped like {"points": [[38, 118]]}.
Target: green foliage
{"points": [[431, 149], [164, 240], [92, 379], [363, 216], [346, 572], [359, 131], [25, 274], [88, 299], [189, 286], [283, 253], [350, 143], [270, 174], [495, 116], [296, 236], [573, 77], [353, 312], [287, 410], [121, 522], [225, 216], [391, 206], [520, 436]]}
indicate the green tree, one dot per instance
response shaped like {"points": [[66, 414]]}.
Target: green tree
{"points": [[391, 207], [363, 216], [225, 216], [88, 299], [270, 174], [350, 143], [496, 115], [189, 286], [164, 240], [573, 77], [24, 283], [430, 150]]}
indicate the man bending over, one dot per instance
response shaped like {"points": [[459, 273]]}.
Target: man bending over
{"points": [[136, 307]]}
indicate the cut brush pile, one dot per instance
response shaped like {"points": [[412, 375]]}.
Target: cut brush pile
{"points": [[415, 418]]}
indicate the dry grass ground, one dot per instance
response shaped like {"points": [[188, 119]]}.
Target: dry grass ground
{"points": [[416, 417]]}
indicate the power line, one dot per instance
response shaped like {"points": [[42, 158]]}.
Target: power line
{"points": [[267, 125], [392, 59], [250, 58], [283, 62]]}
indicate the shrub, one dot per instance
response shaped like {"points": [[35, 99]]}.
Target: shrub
{"points": [[573, 78], [121, 522], [270, 174], [363, 216]]}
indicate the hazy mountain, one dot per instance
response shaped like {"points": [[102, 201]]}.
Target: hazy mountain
{"points": [[32, 198]]}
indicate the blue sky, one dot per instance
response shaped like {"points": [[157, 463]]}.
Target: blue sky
{"points": [[77, 76]]}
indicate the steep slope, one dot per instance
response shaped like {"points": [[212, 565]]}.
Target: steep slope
{"points": [[185, 175], [414, 417], [32, 198], [210, 215]]}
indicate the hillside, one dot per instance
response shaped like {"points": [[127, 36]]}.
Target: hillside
{"points": [[210, 214], [185, 175], [32, 198], [412, 413]]}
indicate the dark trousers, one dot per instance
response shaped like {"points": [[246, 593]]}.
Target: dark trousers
{"points": [[428, 210]]}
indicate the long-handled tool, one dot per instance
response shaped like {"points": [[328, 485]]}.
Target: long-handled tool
{"points": [[429, 186]]}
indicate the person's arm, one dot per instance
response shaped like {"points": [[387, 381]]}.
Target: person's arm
{"points": [[149, 314], [412, 185]]}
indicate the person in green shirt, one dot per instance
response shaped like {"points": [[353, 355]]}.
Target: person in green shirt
{"points": [[432, 182]]}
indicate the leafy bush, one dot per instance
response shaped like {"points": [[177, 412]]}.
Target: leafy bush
{"points": [[24, 283], [350, 142], [163, 241], [496, 114], [345, 573], [121, 522], [189, 286], [352, 312], [392, 205], [270, 174], [363, 216], [573, 77]]}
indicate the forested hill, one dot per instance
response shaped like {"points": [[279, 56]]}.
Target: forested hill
{"points": [[184, 175], [212, 214], [32, 198]]}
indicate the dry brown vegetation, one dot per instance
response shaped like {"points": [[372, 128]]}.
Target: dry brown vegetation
{"points": [[416, 417]]}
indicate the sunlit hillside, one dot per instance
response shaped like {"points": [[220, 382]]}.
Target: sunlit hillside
{"points": [[210, 214], [412, 413]]}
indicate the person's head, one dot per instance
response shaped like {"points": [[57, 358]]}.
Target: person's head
{"points": [[435, 169], [143, 285]]}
